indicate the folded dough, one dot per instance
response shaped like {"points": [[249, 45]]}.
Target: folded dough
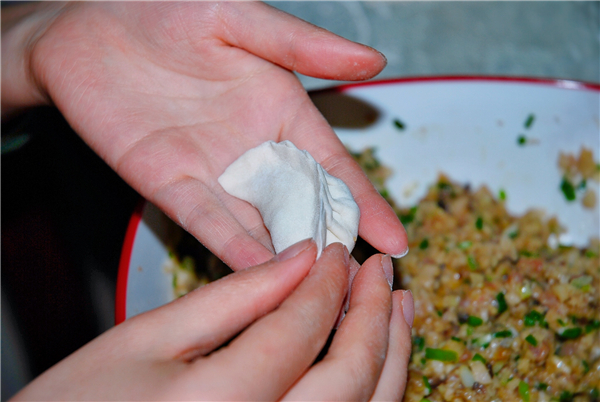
{"points": [[295, 196]]}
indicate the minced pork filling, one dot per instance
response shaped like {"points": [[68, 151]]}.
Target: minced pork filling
{"points": [[499, 314]]}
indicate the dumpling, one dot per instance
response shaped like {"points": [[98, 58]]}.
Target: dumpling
{"points": [[295, 196]]}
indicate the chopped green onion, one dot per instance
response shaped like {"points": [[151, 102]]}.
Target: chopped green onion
{"points": [[566, 396], [423, 361], [590, 254], [568, 190], [188, 264], [570, 333], [399, 124], [408, 218], [592, 325], [480, 358], [521, 140], [427, 385], [531, 339], [471, 263], [529, 121], [503, 334], [524, 391], [514, 234], [532, 317], [463, 245], [561, 322], [454, 338], [424, 400], [582, 282], [384, 193], [474, 321], [496, 367], [586, 367], [441, 355], [439, 313], [526, 290], [594, 394], [502, 306], [582, 185], [504, 382], [479, 223], [419, 342], [502, 194], [424, 244], [542, 386]]}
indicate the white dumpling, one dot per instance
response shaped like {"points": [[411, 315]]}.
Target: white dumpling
{"points": [[295, 196]]}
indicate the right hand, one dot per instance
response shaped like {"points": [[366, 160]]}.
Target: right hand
{"points": [[274, 320]]}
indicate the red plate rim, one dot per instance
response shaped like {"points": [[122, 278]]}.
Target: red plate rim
{"points": [[123, 274], [122, 277], [554, 82]]}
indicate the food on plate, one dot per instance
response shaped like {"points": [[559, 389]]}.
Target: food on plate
{"points": [[499, 315], [376, 172], [191, 264], [295, 196]]}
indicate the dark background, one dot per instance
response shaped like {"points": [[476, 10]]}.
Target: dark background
{"points": [[64, 216]]}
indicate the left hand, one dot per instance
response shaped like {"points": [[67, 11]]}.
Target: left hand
{"points": [[169, 94]]}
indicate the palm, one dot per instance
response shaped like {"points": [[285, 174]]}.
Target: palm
{"points": [[169, 100]]}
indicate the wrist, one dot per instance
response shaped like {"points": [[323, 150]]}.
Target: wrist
{"points": [[22, 26]]}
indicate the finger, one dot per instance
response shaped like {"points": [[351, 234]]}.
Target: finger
{"points": [[269, 356], [392, 381], [204, 319], [378, 225], [297, 45], [352, 366], [193, 206]]}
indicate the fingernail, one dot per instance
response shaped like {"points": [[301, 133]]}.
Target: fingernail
{"points": [[401, 254], [408, 307], [388, 269], [384, 58], [346, 256], [293, 250]]}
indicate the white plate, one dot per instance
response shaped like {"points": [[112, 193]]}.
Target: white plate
{"points": [[466, 127]]}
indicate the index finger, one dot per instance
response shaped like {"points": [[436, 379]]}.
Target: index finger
{"points": [[270, 355]]}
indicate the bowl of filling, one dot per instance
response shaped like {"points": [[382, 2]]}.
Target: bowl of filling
{"points": [[496, 181]]}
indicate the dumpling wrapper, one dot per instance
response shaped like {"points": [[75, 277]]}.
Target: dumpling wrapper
{"points": [[295, 196]]}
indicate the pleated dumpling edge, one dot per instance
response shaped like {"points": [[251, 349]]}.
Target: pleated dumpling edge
{"points": [[295, 196]]}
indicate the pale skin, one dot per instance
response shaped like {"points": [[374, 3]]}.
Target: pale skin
{"points": [[286, 309], [169, 95]]}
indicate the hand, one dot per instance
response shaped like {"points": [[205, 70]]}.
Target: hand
{"points": [[170, 94], [283, 311]]}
